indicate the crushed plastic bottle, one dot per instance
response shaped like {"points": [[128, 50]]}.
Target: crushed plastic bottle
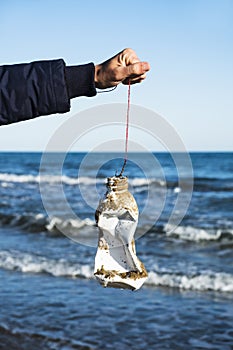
{"points": [[116, 263]]}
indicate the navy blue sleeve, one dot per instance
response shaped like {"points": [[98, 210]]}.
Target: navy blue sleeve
{"points": [[41, 88], [80, 80]]}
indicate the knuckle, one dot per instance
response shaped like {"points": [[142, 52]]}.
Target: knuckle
{"points": [[128, 50], [130, 56]]}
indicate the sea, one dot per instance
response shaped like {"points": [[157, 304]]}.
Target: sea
{"points": [[49, 297]]}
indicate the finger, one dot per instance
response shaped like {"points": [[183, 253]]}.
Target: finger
{"points": [[141, 77], [137, 69], [133, 79], [132, 71], [128, 56]]}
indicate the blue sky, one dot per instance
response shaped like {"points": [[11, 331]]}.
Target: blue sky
{"points": [[189, 45]]}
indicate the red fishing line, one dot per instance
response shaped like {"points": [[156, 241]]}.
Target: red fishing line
{"points": [[126, 132]]}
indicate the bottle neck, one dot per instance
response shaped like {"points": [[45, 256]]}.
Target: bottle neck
{"points": [[117, 184]]}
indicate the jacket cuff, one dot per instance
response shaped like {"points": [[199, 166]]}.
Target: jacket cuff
{"points": [[80, 80]]}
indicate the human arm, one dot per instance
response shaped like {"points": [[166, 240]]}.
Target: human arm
{"points": [[46, 87], [41, 88]]}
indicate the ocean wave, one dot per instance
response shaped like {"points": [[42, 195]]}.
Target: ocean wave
{"points": [[206, 184], [12, 337], [190, 233], [41, 223], [86, 180], [33, 222], [38, 222], [30, 263], [56, 223], [35, 264], [141, 182], [200, 184], [51, 179], [210, 281]]}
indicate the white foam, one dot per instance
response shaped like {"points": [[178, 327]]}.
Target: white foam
{"points": [[56, 222], [72, 181], [138, 182], [7, 184], [177, 190], [190, 233], [29, 263], [15, 178], [219, 282]]}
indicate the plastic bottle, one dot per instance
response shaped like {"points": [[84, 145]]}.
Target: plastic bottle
{"points": [[116, 263]]}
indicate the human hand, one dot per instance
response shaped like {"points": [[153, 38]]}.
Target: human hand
{"points": [[121, 68]]}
